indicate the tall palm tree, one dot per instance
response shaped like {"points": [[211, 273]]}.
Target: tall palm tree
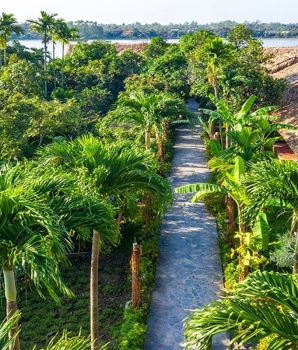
{"points": [[149, 112], [264, 305], [217, 55], [8, 25], [65, 34], [44, 25], [116, 173]]}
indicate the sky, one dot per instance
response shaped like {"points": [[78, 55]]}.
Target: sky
{"points": [[160, 11]]}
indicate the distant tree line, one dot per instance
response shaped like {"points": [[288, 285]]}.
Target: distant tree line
{"points": [[94, 30]]}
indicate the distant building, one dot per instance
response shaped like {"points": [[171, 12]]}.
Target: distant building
{"points": [[175, 33]]}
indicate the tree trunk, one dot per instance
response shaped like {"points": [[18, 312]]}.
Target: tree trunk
{"points": [[147, 214], [11, 304], [62, 67], [54, 69], [4, 56], [244, 268], [213, 123], [295, 267], [227, 137], [147, 140], [94, 319], [45, 65], [160, 152], [135, 270], [231, 214]]}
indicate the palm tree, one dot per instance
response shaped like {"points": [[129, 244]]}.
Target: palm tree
{"points": [[40, 210], [217, 55], [8, 25], [6, 342], [115, 172], [264, 305], [31, 238], [274, 182], [150, 113], [65, 34], [44, 25]]}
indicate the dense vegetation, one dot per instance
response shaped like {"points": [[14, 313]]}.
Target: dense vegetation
{"points": [[93, 30], [85, 149]]}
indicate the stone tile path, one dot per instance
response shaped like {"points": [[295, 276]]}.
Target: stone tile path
{"points": [[188, 273]]}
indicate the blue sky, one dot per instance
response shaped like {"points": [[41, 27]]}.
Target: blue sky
{"points": [[161, 11]]}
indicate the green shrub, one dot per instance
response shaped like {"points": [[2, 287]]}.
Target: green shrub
{"points": [[133, 330]]}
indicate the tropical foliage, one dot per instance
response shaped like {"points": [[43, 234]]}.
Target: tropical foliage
{"points": [[264, 305], [75, 166]]}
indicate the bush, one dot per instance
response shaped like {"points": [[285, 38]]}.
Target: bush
{"points": [[133, 330]]}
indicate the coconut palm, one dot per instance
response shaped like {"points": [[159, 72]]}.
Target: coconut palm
{"points": [[8, 25], [149, 113], [44, 25], [115, 172], [264, 305]]}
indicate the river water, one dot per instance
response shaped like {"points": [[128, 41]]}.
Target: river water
{"points": [[267, 42]]}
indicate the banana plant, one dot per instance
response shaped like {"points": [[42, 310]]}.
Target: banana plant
{"points": [[234, 189], [259, 119]]}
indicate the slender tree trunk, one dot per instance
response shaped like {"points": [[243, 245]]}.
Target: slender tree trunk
{"points": [[147, 140], [244, 268], [227, 137], [62, 67], [119, 217], [135, 270], [295, 267], [54, 69], [4, 56], [45, 65], [160, 151], [94, 319], [11, 304], [231, 214], [147, 214], [213, 124]]}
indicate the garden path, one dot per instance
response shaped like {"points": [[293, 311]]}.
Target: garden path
{"points": [[188, 273]]}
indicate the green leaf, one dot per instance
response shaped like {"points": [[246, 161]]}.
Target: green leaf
{"points": [[215, 147], [202, 189], [261, 229]]}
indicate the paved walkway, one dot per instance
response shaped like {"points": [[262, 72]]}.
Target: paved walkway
{"points": [[188, 273]]}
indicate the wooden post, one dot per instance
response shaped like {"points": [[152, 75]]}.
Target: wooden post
{"points": [[135, 269]]}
